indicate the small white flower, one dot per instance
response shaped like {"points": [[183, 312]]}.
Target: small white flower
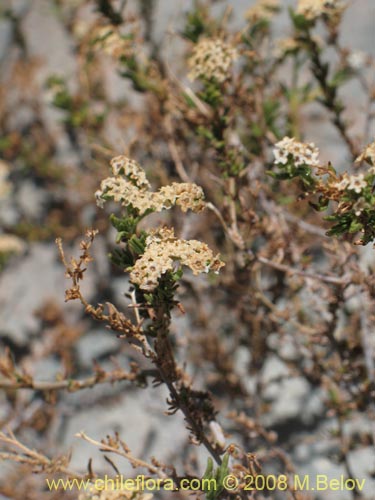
{"points": [[357, 183], [357, 59], [281, 156]]}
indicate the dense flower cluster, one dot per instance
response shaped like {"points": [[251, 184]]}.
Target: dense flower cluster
{"points": [[122, 165], [312, 9], [212, 60], [163, 250], [130, 187], [263, 9], [301, 154]]}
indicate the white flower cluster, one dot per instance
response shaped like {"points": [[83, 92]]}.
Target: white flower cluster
{"points": [[212, 59], [163, 249], [122, 165], [300, 153], [130, 187], [354, 183], [312, 9]]}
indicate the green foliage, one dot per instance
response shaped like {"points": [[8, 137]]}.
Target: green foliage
{"points": [[290, 171], [217, 475], [197, 22]]}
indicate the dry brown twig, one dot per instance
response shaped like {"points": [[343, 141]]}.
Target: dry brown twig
{"points": [[39, 462]]}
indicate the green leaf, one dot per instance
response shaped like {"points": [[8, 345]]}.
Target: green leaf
{"points": [[299, 21], [209, 469], [321, 205], [355, 226]]}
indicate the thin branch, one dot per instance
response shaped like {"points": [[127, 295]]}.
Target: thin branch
{"points": [[344, 281], [72, 385], [122, 452]]}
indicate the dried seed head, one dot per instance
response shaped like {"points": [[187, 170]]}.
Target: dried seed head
{"points": [[367, 155]]}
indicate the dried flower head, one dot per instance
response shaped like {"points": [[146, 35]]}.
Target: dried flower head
{"points": [[367, 155], [312, 9], [212, 60], [130, 187], [263, 9], [164, 251], [300, 153]]}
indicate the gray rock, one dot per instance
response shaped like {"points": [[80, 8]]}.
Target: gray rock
{"points": [[273, 369], [140, 420], [5, 37], [95, 344], [31, 199], [27, 284], [289, 400]]}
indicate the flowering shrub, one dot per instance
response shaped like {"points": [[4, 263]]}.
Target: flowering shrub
{"points": [[238, 228]]}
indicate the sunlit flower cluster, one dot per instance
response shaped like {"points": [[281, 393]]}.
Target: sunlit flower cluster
{"points": [[212, 60], [122, 165], [312, 9], [163, 251], [263, 9], [289, 149], [130, 187]]}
